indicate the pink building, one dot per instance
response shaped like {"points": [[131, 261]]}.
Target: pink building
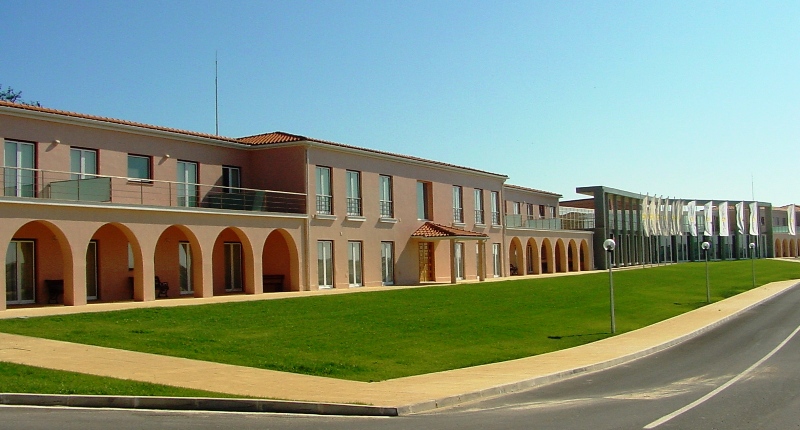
{"points": [[99, 209]]}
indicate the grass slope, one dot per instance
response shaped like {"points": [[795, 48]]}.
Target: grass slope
{"points": [[16, 378], [395, 333]]}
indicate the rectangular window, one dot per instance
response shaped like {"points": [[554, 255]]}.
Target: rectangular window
{"points": [[459, 260], [18, 162], [231, 178], [423, 200], [325, 264], [20, 272], [354, 264], [91, 271], [139, 168], [479, 216], [324, 196], [353, 193], [541, 211], [185, 267], [495, 208], [82, 163], [233, 266], [530, 211], [458, 204], [516, 206], [497, 262], [187, 184], [387, 263], [385, 186]]}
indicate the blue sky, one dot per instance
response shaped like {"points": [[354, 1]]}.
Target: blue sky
{"points": [[685, 99]]}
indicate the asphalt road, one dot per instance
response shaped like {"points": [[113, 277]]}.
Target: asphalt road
{"points": [[742, 375]]}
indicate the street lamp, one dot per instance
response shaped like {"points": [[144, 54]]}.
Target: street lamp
{"points": [[753, 261], [609, 246], [707, 245]]}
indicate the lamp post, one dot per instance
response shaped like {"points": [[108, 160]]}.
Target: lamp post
{"points": [[753, 261], [707, 245], [609, 246]]}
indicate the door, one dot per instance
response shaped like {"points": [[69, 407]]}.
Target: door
{"points": [[91, 271], [18, 162], [354, 264], [387, 263], [20, 278], [426, 263], [233, 266], [459, 260], [187, 184], [185, 267]]}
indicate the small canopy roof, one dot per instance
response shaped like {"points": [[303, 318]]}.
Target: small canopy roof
{"points": [[433, 231]]}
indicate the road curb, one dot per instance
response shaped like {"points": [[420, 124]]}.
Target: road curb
{"points": [[195, 404]]}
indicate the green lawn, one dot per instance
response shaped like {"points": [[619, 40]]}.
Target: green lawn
{"points": [[394, 333], [15, 378]]}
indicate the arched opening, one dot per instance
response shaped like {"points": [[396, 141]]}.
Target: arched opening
{"points": [[573, 258], [561, 257], [547, 257], [792, 248], [178, 263], [38, 265], [586, 259], [778, 248], [785, 248], [111, 263], [534, 263], [515, 258], [232, 258], [280, 265]]}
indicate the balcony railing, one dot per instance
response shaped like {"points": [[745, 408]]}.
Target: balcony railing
{"points": [[458, 214], [561, 223], [479, 216], [324, 204], [67, 186], [387, 209], [354, 206]]}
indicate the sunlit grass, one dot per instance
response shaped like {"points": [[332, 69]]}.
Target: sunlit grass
{"points": [[394, 333]]}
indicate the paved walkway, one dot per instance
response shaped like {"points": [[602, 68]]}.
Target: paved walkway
{"points": [[408, 395]]}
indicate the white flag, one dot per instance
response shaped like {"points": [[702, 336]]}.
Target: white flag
{"points": [[645, 217], [790, 220], [652, 214], [708, 227], [691, 208], [739, 217], [723, 219], [665, 218], [754, 219], [678, 216]]}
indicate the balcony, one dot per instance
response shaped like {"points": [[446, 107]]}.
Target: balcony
{"points": [[71, 187], [564, 222]]}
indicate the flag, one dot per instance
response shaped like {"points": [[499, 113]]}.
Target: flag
{"points": [[754, 219], [739, 217], [646, 216], [652, 214], [723, 219], [708, 228], [790, 215], [691, 208], [677, 215]]}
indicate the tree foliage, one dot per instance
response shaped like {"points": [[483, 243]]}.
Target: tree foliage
{"points": [[8, 94]]}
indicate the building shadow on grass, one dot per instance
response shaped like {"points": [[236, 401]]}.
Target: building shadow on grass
{"points": [[576, 335]]}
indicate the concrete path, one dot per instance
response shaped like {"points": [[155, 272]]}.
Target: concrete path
{"points": [[405, 395]]}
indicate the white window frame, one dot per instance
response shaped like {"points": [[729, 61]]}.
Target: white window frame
{"points": [[355, 263], [325, 264], [86, 160], [231, 179], [459, 258], [497, 260], [186, 284], [187, 172], [480, 216], [16, 173], [385, 196], [354, 193], [234, 273], [387, 263], [458, 204], [324, 202], [495, 202], [19, 277]]}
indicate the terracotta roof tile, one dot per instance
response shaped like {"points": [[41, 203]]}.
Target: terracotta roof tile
{"points": [[431, 230], [531, 189], [114, 121], [282, 137]]}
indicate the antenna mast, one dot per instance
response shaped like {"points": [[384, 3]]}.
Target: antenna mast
{"points": [[216, 95]]}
